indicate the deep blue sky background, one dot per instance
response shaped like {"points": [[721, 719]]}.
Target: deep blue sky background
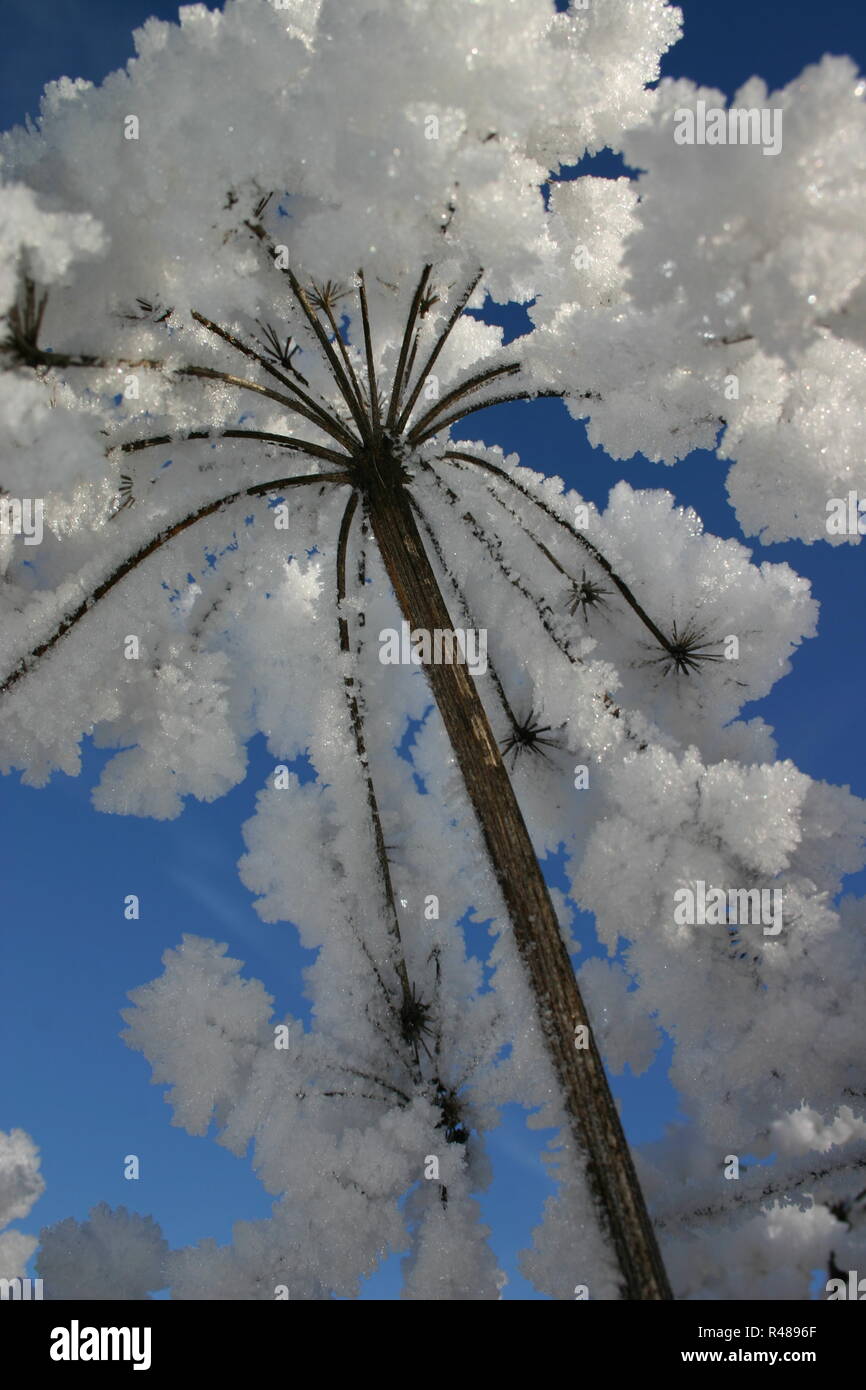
{"points": [[68, 956]]}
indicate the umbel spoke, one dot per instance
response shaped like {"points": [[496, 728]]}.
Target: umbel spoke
{"points": [[435, 351], [120, 572], [544, 612], [670, 645], [342, 380], [368, 353], [357, 722], [504, 399], [526, 736], [411, 322], [417, 433], [325, 298], [313, 411], [285, 441], [22, 345]]}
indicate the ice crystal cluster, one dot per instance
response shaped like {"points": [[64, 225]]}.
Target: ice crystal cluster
{"points": [[21, 1185]]}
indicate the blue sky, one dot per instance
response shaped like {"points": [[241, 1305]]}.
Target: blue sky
{"points": [[68, 955]]}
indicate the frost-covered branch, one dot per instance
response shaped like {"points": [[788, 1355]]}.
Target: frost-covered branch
{"points": [[504, 399], [437, 347], [120, 572], [417, 434], [583, 540], [352, 696], [314, 411]]}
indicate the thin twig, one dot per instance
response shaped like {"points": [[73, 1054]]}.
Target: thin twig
{"points": [[351, 375], [436, 349], [459, 392], [505, 399], [572, 531], [342, 381], [285, 441], [27, 663], [494, 547], [368, 351], [397, 388], [361, 745], [328, 422]]}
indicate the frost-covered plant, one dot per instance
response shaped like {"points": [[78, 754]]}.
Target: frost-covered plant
{"points": [[259, 244]]}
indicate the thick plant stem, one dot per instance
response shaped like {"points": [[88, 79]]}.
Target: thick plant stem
{"points": [[592, 1114]]}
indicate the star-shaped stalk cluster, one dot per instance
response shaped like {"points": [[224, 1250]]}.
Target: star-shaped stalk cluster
{"points": [[688, 647], [369, 428], [527, 737]]}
